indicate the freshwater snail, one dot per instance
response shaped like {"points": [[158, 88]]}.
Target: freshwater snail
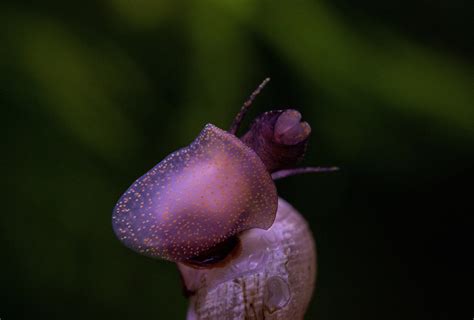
{"points": [[212, 207]]}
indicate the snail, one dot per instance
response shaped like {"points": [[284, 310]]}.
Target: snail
{"points": [[212, 208]]}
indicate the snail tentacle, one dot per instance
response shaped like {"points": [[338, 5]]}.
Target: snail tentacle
{"points": [[296, 171], [245, 107]]}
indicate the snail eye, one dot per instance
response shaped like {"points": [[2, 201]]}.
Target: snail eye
{"points": [[196, 198]]}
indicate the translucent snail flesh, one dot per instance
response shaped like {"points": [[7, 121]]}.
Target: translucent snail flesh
{"points": [[196, 198]]}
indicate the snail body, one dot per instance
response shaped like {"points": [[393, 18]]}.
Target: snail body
{"points": [[196, 198], [212, 207]]}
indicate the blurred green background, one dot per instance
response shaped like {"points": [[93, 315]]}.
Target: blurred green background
{"points": [[94, 93]]}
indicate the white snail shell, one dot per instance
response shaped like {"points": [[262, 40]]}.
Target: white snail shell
{"points": [[273, 277]]}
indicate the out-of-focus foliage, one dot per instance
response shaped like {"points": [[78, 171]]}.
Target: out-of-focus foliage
{"points": [[94, 93]]}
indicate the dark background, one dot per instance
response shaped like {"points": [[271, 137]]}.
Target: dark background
{"points": [[94, 93]]}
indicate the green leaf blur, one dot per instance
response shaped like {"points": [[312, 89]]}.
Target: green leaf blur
{"points": [[95, 93]]}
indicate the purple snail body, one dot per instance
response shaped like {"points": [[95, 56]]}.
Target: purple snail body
{"points": [[196, 198], [212, 207]]}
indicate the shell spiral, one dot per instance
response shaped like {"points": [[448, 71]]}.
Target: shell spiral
{"points": [[196, 198], [272, 278]]}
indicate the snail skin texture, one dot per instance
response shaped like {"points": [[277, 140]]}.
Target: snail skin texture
{"points": [[196, 198], [212, 207]]}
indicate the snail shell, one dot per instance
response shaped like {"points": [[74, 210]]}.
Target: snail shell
{"points": [[273, 277]]}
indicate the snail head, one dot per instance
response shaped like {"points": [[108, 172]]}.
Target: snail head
{"points": [[279, 138]]}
